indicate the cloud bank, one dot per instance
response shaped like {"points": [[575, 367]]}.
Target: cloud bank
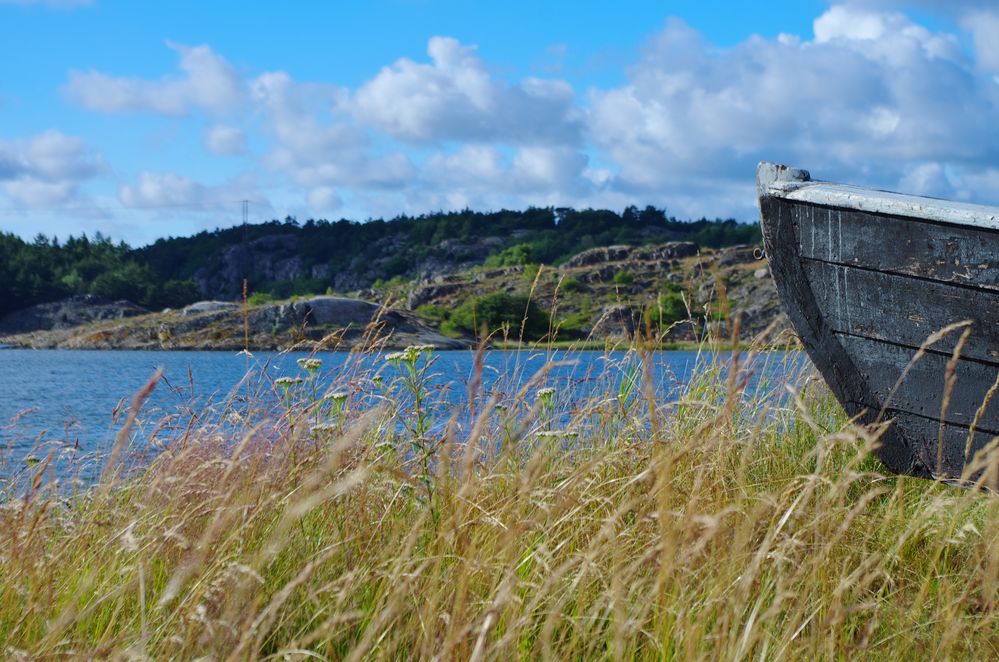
{"points": [[46, 170], [870, 97], [206, 82]]}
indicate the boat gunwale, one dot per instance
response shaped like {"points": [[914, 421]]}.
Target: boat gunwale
{"points": [[796, 186]]}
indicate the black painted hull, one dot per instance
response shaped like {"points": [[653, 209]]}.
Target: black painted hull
{"points": [[869, 291]]}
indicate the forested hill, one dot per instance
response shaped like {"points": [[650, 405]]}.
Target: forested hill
{"points": [[282, 258]]}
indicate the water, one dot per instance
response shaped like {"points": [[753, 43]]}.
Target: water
{"points": [[76, 400]]}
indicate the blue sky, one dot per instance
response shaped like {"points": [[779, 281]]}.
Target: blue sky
{"points": [[144, 120]]}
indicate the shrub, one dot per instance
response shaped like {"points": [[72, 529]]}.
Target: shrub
{"points": [[433, 312], [501, 310], [573, 326], [669, 309], [570, 285], [258, 298], [511, 256], [623, 278]]}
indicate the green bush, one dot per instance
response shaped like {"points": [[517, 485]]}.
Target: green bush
{"points": [[570, 285], [450, 329], [511, 256], [667, 310], [258, 298], [433, 312], [572, 327], [623, 278], [494, 312], [531, 272]]}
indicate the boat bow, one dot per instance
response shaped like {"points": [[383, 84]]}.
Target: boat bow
{"points": [[896, 300]]}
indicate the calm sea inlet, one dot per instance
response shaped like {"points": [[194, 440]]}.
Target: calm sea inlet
{"points": [[74, 401]]}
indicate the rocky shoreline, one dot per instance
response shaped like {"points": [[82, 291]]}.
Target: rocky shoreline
{"points": [[329, 322], [606, 292]]}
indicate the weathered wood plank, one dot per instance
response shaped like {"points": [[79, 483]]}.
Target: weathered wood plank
{"points": [[948, 253], [881, 364], [864, 288], [904, 310], [955, 443], [823, 347]]}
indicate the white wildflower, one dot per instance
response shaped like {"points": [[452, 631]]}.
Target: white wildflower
{"points": [[310, 364], [287, 382]]}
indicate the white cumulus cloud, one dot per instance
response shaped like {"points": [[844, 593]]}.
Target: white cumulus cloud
{"points": [[323, 199], [162, 190], [47, 169], [868, 97], [319, 144], [171, 191], [454, 97], [221, 139], [207, 81], [984, 28], [871, 97]]}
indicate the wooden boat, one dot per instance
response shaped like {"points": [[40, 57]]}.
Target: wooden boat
{"points": [[896, 300]]}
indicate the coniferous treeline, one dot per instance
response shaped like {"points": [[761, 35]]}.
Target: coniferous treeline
{"points": [[46, 270], [163, 273]]}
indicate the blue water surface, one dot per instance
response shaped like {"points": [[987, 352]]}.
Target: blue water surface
{"points": [[78, 399]]}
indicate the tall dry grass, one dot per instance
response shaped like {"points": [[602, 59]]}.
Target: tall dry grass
{"points": [[319, 525]]}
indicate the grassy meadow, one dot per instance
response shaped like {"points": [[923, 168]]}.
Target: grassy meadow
{"points": [[298, 520]]}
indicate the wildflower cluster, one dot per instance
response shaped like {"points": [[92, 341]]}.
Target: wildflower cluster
{"points": [[310, 365], [413, 383], [409, 355], [338, 397], [286, 384], [546, 398], [337, 403]]}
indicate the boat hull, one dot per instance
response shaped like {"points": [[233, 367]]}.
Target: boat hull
{"points": [[899, 313]]}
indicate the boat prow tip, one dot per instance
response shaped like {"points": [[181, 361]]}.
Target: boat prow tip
{"points": [[771, 176]]}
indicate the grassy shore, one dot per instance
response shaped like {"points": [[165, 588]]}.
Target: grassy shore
{"points": [[308, 522]]}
